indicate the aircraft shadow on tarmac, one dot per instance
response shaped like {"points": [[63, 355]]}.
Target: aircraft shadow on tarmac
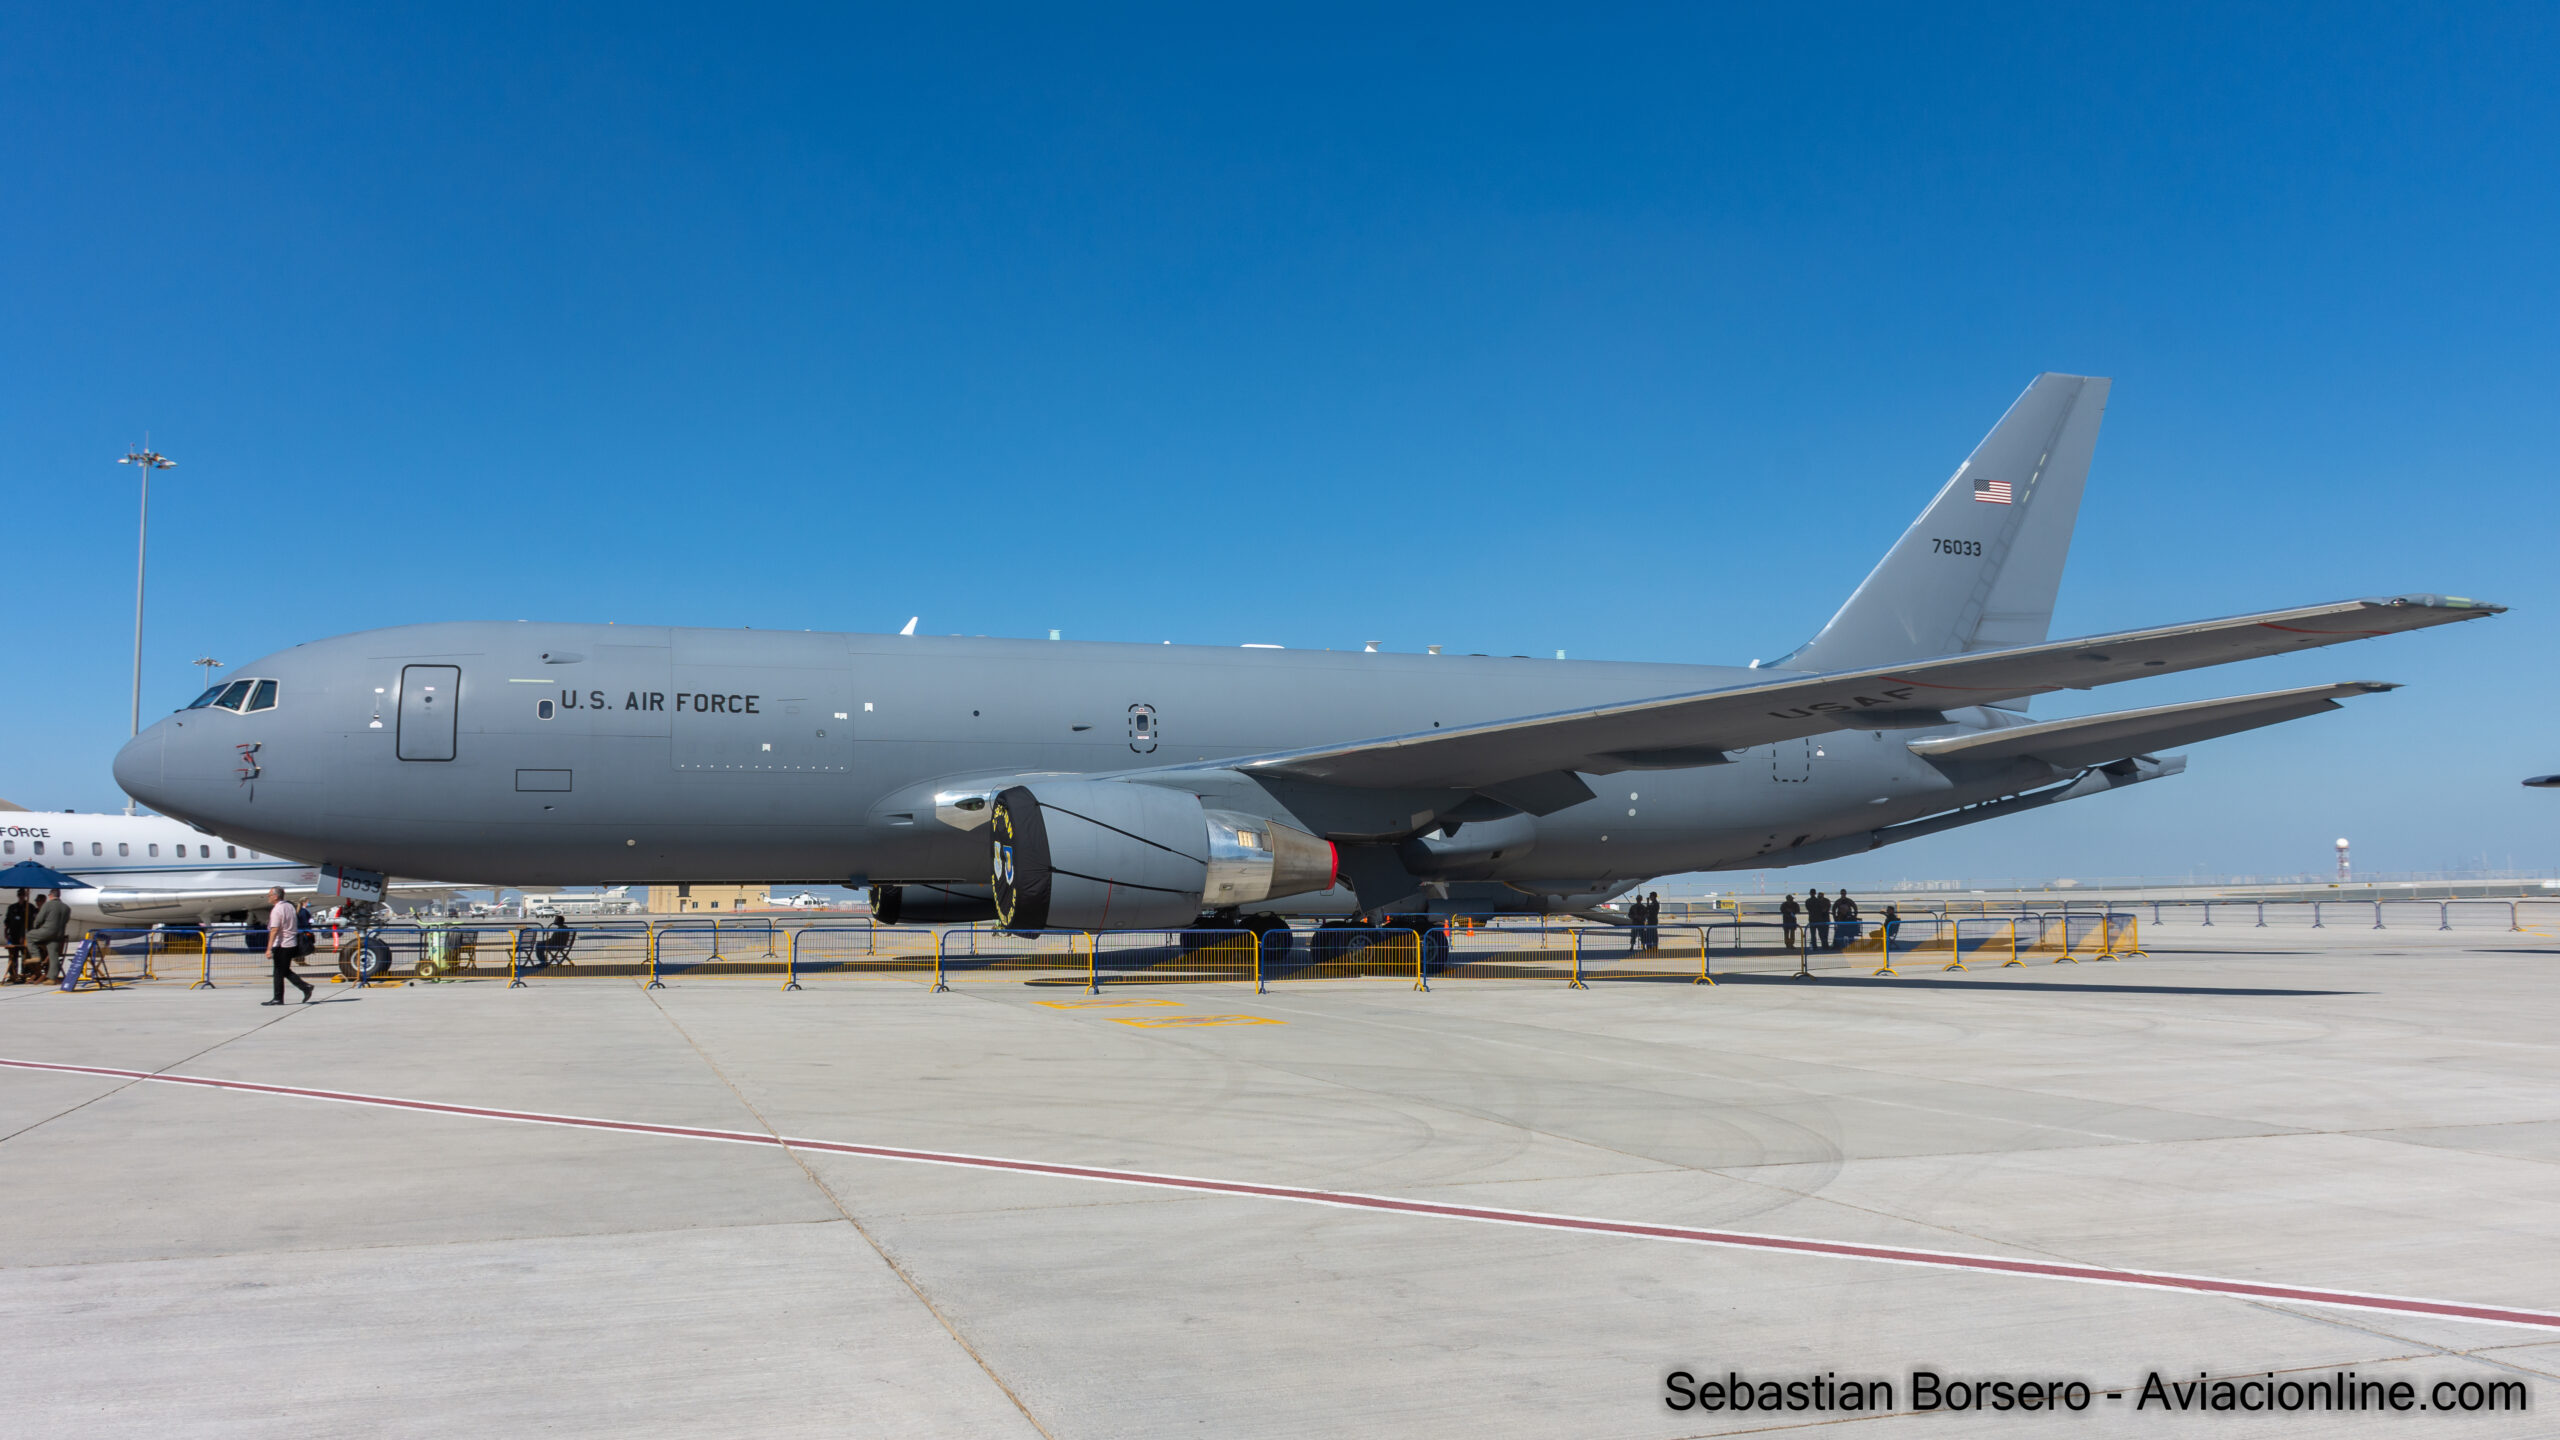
{"points": [[1887, 982]]}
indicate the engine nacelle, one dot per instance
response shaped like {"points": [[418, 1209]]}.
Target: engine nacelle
{"points": [[931, 904], [1110, 855]]}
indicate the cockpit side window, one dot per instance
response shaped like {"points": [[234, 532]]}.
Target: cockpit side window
{"points": [[234, 695], [206, 698], [264, 697]]}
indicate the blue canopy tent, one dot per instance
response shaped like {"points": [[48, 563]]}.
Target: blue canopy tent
{"points": [[28, 875]]}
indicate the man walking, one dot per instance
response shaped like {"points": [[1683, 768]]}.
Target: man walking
{"points": [[282, 930], [1787, 914], [45, 934], [1817, 914]]}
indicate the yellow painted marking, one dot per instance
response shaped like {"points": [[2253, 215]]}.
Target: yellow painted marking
{"points": [[1167, 1022], [1099, 1004]]}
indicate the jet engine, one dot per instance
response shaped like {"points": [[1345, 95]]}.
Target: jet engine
{"points": [[931, 904], [1109, 855]]}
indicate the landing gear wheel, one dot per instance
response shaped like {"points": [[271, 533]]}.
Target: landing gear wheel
{"points": [[1435, 951], [1277, 938], [365, 959]]}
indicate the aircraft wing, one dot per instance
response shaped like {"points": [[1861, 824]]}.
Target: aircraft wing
{"points": [[1674, 731], [2097, 739]]}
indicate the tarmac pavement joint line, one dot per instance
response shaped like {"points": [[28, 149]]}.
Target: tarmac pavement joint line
{"points": [[774, 1137], [1342, 1199]]}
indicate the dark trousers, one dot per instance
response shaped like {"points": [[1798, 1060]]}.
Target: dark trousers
{"points": [[1821, 934], [1790, 927], [284, 971]]}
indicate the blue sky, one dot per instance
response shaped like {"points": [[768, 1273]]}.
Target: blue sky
{"points": [[1634, 333]]}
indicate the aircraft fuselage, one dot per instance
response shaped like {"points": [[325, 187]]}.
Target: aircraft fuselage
{"points": [[566, 754]]}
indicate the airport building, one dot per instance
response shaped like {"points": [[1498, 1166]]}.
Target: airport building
{"points": [[683, 899]]}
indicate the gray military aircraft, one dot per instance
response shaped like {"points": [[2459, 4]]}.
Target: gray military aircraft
{"points": [[1119, 786]]}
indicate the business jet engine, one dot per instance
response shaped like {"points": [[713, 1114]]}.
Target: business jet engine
{"points": [[1110, 855], [931, 904]]}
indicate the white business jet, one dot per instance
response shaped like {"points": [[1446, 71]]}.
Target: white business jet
{"points": [[149, 868]]}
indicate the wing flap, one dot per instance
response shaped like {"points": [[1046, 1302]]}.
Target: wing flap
{"points": [[2096, 739], [1610, 738]]}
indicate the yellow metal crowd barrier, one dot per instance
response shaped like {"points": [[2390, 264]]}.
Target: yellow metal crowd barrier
{"points": [[796, 957]]}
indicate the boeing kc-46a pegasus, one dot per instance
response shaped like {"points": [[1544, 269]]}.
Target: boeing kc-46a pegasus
{"points": [[1108, 786]]}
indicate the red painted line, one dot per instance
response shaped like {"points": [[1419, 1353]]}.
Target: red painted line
{"points": [[1353, 1200]]}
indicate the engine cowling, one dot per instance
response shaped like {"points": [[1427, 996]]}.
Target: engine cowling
{"points": [[1110, 855]]}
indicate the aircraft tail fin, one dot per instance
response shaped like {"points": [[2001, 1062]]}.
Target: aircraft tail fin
{"points": [[1979, 568]]}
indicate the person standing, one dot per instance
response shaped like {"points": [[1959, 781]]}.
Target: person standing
{"points": [[21, 914], [1653, 920], [1817, 914], [1844, 922], [1892, 925], [1635, 923], [45, 934], [1787, 914], [282, 930]]}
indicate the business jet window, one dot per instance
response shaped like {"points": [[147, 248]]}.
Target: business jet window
{"points": [[230, 852], [204, 852], [155, 851], [8, 847], [264, 698], [97, 847], [206, 698], [233, 695], [39, 847]]}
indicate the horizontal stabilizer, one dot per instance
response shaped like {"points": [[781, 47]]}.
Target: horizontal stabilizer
{"points": [[2096, 739]]}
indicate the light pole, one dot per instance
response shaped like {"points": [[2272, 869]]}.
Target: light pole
{"points": [[150, 460]]}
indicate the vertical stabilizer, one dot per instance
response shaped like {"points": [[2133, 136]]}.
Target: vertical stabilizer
{"points": [[1979, 568]]}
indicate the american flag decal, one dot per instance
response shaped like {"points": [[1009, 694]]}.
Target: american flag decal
{"points": [[1993, 492]]}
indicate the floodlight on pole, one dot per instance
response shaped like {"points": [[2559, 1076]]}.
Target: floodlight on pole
{"points": [[149, 460], [210, 665]]}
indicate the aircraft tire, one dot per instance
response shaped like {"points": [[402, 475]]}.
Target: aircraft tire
{"points": [[1277, 938], [375, 961]]}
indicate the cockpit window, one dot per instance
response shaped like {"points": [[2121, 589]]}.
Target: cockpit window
{"points": [[233, 694], [206, 698], [264, 697]]}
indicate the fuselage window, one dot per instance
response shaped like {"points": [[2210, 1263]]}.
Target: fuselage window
{"points": [[206, 698], [155, 851], [230, 852], [97, 847], [233, 695], [264, 698], [541, 709], [204, 852], [8, 847], [39, 847], [123, 849]]}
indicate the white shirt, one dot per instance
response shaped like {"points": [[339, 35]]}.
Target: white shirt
{"points": [[280, 934]]}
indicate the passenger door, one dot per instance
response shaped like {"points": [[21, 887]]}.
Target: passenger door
{"points": [[429, 695]]}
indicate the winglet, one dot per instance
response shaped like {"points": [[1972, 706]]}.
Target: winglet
{"points": [[910, 627]]}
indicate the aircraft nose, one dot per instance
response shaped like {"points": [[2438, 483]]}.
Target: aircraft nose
{"points": [[139, 766]]}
